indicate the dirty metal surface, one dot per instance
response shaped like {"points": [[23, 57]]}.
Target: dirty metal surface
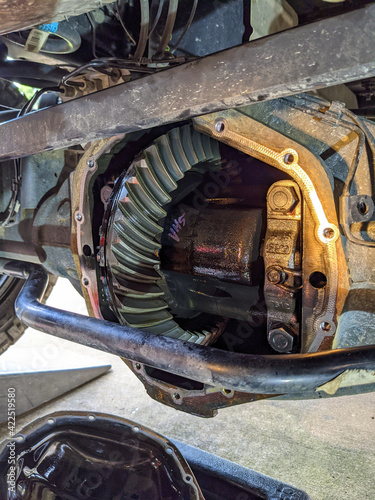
{"points": [[236, 128], [256, 71], [17, 16], [204, 401], [282, 263], [81, 235]]}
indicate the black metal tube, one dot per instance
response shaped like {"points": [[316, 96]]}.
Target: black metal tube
{"points": [[334, 50], [31, 73], [286, 374]]}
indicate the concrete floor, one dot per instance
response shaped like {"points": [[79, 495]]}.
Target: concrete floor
{"points": [[324, 447]]}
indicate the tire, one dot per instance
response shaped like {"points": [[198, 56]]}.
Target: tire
{"points": [[11, 327]]}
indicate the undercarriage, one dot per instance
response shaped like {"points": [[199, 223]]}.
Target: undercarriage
{"points": [[204, 177]]}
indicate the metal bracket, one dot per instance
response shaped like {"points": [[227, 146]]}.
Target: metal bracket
{"points": [[281, 254]]}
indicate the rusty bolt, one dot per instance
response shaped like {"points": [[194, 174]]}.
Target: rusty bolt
{"points": [[282, 198], [275, 275], [280, 340], [328, 233]]}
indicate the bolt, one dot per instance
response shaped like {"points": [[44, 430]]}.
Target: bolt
{"points": [[219, 126], [328, 233], [288, 158], [85, 281], [91, 163], [275, 276], [325, 326], [176, 396], [282, 198], [79, 217], [280, 340]]}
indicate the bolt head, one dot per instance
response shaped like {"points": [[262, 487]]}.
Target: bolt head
{"points": [[289, 158], [219, 126], [328, 233], [275, 276], [280, 340], [282, 199]]}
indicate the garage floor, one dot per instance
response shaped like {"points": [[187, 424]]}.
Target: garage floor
{"points": [[324, 447]]}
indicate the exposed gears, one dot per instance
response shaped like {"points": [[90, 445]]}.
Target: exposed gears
{"points": [[135, 225]]}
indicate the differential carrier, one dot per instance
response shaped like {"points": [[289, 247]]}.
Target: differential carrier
{"points": [[193, 244]]}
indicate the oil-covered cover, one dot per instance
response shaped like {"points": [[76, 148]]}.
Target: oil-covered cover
{"points": [[93, 456]]}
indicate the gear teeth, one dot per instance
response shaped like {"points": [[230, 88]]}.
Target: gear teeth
{"points": [[128, 270], [188, 337], [151, 182], [134, 290], [148, 320], [134, 306], [207, 144], [132, 211], [155, 162], [134, 256], [126, 230], [175, 333], [216, 152], [135, 269], [167, 328], [165, 151], [142, 253], [198, 146], [138, 194], [178, 151], [140, 302], [202, 337], [187, 144]]}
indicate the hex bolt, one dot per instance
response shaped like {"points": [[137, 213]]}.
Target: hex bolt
{"points": [[275, 276], [79, 217], [280, 340], [282, 199]]}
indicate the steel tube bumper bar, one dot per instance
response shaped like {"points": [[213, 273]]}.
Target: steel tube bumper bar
{"points": [[286, 374], [325, 53]]}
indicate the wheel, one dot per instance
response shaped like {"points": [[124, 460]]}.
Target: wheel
{"points": [[11, 327]]}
